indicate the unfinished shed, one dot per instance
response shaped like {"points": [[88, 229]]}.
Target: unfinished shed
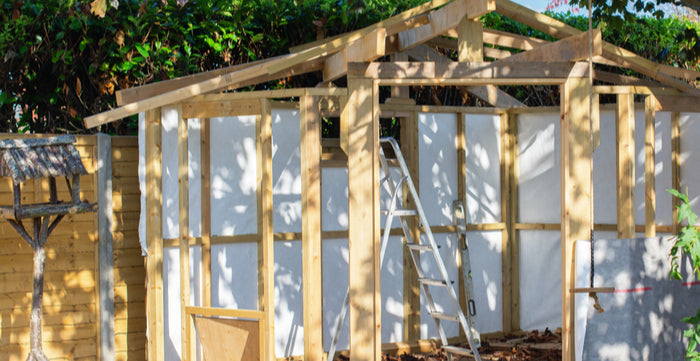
{"points": [[249, 214]]}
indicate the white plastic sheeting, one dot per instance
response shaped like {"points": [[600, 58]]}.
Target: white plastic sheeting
{"points": [[234, 211]]}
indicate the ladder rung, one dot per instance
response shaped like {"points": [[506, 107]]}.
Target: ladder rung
{"points": [[402, 212], [432, 281], [458, 350], [444, 316], [419, 247]]}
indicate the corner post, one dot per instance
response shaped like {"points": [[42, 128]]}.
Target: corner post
{"points": [[362, 147], [576, 190], [105, 221]]}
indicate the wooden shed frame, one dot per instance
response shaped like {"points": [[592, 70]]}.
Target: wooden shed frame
{"points": [[405, 36]]}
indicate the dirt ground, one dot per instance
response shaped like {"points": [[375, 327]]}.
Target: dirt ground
{"points": [[532, 346]]}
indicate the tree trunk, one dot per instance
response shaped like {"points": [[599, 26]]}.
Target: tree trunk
{"points": [[36, 353]]}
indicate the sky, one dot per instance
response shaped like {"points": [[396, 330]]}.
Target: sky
{"points": [[537, 5]]}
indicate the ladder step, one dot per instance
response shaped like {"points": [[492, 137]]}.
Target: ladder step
{"points": [[458, 350], [419, 247], [402, 212], [432, 281], [444, 316]]}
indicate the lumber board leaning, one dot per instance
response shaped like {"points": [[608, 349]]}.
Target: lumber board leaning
{"points": [[154, 235], [388, 23], [576, 192], [625, 149], [310, 145], [248, 76], [363, 215], [650, 166]]}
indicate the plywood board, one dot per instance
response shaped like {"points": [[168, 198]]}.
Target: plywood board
{"points": [[229, 339]]}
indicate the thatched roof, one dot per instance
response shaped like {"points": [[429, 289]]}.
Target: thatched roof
{"points": [[23, 159]]}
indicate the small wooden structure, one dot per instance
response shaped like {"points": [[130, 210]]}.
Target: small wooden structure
{"points": [[24, 159], [408, 40]]}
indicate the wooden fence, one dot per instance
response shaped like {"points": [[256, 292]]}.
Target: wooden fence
{"points": [[79, 321]]}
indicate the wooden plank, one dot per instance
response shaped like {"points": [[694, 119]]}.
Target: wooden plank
{"points": [[266, 229], [370, 47], [238, 340], [441, 20], [461, 195], [363, 216], [502, 38], [620, 79], [205, 201], [213, 109], [105, 219], [388, 23], [675, 167], [650, 166], [184, 230], [249, 76], [411, 286], [514, 215], [310, 131], [572, 48], [625, 165], [678, 103], [439, 72], [154, 235], [576, 191], [471, 41], [688, 75]]}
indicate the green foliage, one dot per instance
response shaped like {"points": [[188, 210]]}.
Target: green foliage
{"points": [[687, 242]]}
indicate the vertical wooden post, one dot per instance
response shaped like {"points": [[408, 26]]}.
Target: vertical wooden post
{"points": [[675, 166], [650, 166], [625, 165], [411, 287], [205, 199], [310, 127], [105, 221], [266, 282], [576, 187], [461, 195], [363, 206], [154, 235], [184, 230], [471, 41], [509, 212]]}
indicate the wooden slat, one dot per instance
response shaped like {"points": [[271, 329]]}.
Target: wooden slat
{"points": [[675, 167], [205, 200], [411, 286], [650, 166], [576, 190], [572, 48], [625, 165], [363, 214], [266, 228], [310, 143], [184, 230], [154, 236]]}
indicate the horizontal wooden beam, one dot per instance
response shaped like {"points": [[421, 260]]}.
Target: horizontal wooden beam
{"points": [[449, 43], [678, 103], [572, 48], [550, 72], [619, 79]]}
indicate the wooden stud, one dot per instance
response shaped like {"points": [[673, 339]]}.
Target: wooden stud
{"points": [[471, 41], [154, 236], [411, 286], [310, 130], [625, 165], [105, 254], [461, 195], [205, 199], [576, 191], [363, 213], [650, 166], [184, 231], [675, 166], [513, 216], [266, 243]]}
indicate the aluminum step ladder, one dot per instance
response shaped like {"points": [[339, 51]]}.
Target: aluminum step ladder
{"points": [[416, 248]]}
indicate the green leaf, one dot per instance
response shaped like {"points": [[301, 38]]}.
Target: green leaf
{"points": [[142, 49]]}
